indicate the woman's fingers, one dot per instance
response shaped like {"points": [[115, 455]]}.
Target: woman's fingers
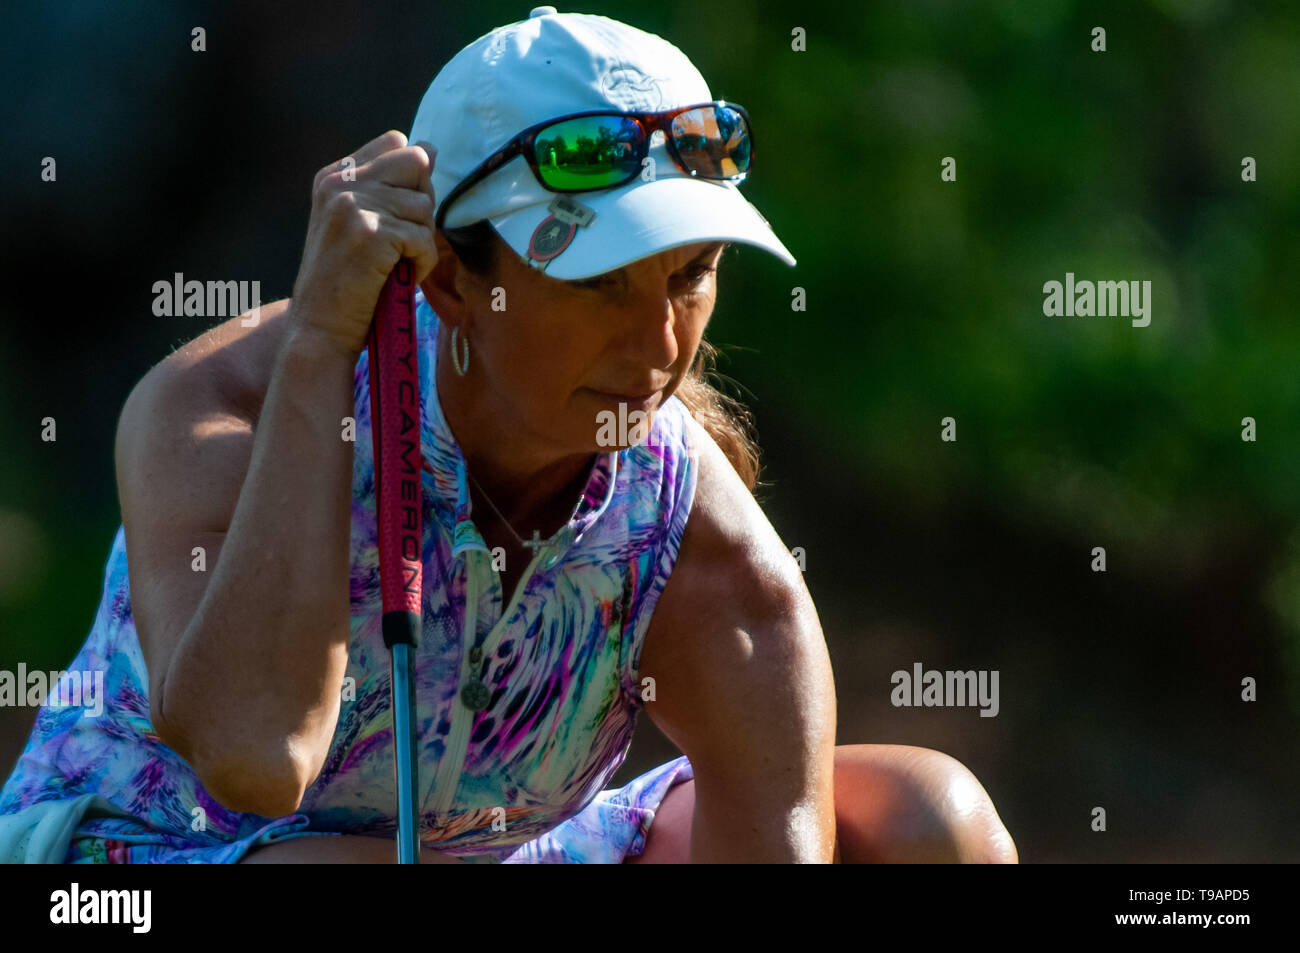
{"points": [[378, 146], [426, 182], [415, 241], [406, 204], [408, 167], [366, 215]]}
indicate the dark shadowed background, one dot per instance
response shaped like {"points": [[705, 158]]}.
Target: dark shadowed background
{"points": [[1119, 689]]}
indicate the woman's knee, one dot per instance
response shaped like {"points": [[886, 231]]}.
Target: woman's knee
{"points": [[901, 803], [893, 804]]}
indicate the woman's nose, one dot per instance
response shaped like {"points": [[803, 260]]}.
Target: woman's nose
{"points": [[653, 334]]}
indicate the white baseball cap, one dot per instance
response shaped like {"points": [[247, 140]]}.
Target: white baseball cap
{"points": [[552, 65]]}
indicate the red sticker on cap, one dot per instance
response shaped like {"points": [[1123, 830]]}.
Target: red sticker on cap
{"points": [[550, 238]]}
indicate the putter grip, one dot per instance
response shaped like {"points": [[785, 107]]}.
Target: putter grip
{"points": [[395, 427]]}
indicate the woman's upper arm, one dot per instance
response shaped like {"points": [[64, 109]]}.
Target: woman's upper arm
{"points": [[743, 683], [182, 448]]}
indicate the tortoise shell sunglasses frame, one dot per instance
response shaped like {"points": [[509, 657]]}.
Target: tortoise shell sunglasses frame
{"points": [[650, 122]]}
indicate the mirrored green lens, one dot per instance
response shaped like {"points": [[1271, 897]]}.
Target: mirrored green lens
{"points": [[590, 152]]}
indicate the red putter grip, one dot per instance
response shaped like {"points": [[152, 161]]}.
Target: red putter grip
{"points": [[395, 426]]}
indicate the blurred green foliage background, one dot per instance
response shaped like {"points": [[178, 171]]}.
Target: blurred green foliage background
{"points": [[924, 300]]}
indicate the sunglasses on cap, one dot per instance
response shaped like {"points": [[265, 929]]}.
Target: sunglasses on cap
{"points": [[602, 149]]}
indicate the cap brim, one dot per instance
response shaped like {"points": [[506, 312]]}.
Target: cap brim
{"points": [[642, 219]]}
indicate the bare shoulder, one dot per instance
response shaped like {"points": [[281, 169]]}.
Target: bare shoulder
{"points": [[184, 435], [231, 362], [735, 615], [729, 540], [222, 373]]}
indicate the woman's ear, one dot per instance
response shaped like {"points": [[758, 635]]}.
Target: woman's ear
{"points": [[440, 286]]}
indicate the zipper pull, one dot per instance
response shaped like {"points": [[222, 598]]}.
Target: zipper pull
{"points": [[474, 694]]}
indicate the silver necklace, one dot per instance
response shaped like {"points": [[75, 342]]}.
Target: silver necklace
{"points": [[531, 544]]}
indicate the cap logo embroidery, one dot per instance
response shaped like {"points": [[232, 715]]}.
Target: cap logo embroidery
{"points": [[624, 81]]}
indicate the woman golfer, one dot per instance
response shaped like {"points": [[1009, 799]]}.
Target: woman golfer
{"points": [[591, 545]]}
